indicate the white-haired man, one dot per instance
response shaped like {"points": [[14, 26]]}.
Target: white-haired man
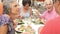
{"points": [[53, 26]]}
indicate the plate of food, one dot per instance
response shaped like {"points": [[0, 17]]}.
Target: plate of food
{"points": [[20, 28]]}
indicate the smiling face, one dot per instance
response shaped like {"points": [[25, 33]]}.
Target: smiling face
{"points": [[26, 6], [26, 3], [15, 8], [49, 6]]}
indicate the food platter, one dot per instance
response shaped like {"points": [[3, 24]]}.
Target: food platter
{"points": [[26, 26]]}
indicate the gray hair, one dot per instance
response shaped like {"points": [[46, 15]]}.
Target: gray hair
{"points": [[48, 1], [7, 6]]}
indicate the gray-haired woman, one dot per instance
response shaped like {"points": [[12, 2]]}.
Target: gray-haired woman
{"points": [[11, 12]]}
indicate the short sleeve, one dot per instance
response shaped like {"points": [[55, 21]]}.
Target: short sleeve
{"points": [[4, 19]]}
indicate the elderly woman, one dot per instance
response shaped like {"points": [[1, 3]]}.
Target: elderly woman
{"points": [[50, 13], [7, 20], [26, 10]]}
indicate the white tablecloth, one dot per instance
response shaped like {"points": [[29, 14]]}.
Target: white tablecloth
{"points": [[35, 27]]}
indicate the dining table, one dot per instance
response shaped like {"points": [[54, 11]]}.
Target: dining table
{"points": [[34, 24]]}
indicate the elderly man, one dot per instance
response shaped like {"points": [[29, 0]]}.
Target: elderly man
{"points": [[50, 13], [53, 26]]}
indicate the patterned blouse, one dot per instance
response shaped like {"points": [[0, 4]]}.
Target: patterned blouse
{"points": [[4, 19]]}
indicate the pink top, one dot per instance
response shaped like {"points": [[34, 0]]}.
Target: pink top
{"points": [[51, 15], [52, 27]]}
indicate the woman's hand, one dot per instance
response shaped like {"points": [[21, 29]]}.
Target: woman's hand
{"points": [[31, 16], [38, 13], [21, 17], [15, 22]]}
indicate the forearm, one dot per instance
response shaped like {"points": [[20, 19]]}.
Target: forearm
{"points": [[4, 29]]}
